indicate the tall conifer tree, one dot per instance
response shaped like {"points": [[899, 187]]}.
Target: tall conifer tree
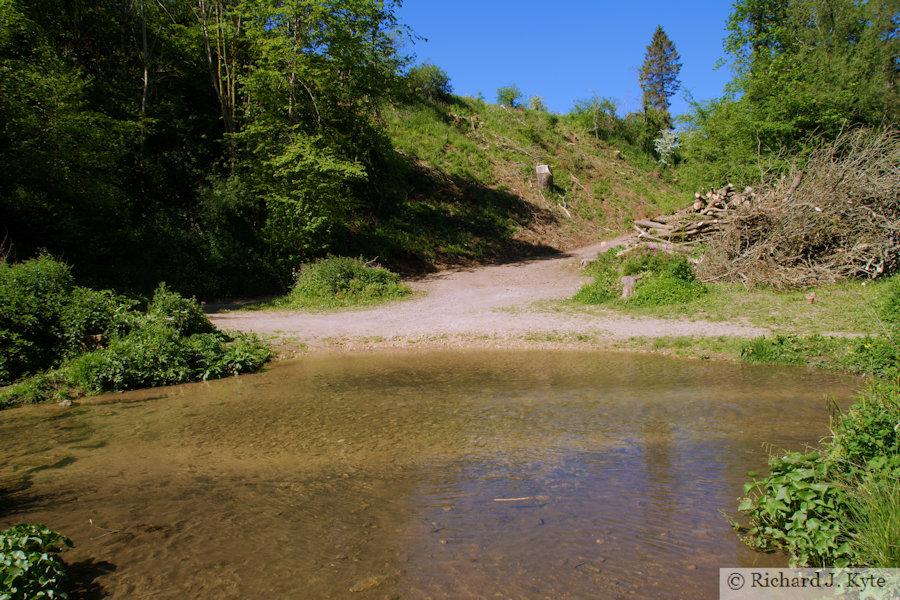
{"points": [[659, 73]]}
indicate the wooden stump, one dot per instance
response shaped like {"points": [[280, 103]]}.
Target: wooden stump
{"points": [[628, 282], [545, 177]]}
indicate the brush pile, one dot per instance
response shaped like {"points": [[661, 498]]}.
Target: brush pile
{"points": [[836, 219], [695, 223]]}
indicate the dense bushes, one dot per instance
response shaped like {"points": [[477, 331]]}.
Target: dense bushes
{"points": [[97, 341], [44, 317], [29, 565], [343, 281], [836, 506], [664, 279], [154, 355]]}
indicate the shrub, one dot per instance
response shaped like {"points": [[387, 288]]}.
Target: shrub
{"points": [[156, 354], [33, 296], [835, 506], [184, 315], [149, 356], [344, 281], [92, 316], [600, 291], [97, 342], [430, 80], [665, 279], [663, 289], [536, 103], [29, 566], [509, 95]]}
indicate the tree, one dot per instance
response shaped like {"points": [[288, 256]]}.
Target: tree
{"points": [[804, 71], [509, 95], [430, 80], [659, 74], [596, 115]]}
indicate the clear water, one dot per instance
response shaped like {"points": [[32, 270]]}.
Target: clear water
{"points": [[476, 474]]}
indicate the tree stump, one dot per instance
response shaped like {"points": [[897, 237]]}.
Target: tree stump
{"points": [[545, 177], [628, 282]]}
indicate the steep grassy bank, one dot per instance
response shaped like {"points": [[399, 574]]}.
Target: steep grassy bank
{"points": [[472, 191]]}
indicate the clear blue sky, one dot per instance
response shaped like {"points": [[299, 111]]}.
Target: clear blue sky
{"points": [[566, 50]]}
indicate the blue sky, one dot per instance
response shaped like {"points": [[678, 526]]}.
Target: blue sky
{"points": [[567, 50]]}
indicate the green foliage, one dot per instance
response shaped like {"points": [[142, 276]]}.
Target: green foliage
{"points": [[96, 103], [156, 355], [92, 316], [835, 506], [597, 116], [97, 342], [874, 355], [33, 299], [889, 306], [873, 517], [430, 80], [666, 288], [47, 386], [232, 219], [665, 144], [665, 279], [509, 95], [797, 508], [804, 71], [29, 566], [536, 103], [183, 315], [344, 281]]}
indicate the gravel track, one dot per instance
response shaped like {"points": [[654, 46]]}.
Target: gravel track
{"points": [[483, 306]]}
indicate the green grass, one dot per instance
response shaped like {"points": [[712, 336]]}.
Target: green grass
{"points": [[873, 521], [468, 190], [844, 308], [720, 347]]}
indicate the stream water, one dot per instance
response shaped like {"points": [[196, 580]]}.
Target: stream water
{"points": [[476, 474]]}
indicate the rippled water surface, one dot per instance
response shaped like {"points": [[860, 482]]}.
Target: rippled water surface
{"points": [[470, 474]]}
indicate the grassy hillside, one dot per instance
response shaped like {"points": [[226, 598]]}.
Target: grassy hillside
{"points": [[470, 192]]}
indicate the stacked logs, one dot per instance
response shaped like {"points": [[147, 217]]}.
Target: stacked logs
{"points": [[722, 199], [692, 224]]}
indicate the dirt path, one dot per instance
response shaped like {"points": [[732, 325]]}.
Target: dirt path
{"points": [[481, 306]]}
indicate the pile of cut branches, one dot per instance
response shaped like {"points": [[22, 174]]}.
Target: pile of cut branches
{"points": [[838, 218]]}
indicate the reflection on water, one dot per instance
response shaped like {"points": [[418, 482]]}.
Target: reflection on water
{"points": [[432, 475]]}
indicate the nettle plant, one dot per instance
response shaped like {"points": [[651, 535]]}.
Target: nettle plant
{"points": [[798, 508], [825, 508], [29, 566]]}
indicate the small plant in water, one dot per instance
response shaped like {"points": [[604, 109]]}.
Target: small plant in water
{"points": [[29, 566], [836, 506]]}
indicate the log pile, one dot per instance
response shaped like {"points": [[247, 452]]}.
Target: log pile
{"points": [[691, 225], [836, 219]]}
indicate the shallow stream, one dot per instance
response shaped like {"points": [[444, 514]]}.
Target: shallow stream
{"points": [[463, 474]]}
